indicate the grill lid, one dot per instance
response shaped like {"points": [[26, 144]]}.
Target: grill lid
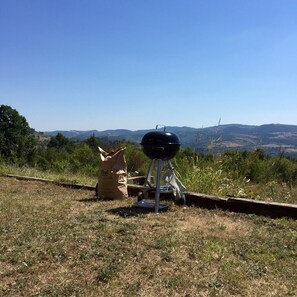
{"points": [[160, 145]]}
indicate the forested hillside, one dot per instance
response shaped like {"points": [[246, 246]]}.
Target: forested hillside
{"points": [[273, 138]]}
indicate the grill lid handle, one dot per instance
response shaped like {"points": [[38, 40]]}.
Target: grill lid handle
{"points": [[157, 126]]}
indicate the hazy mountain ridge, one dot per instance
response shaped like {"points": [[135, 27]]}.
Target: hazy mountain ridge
{"points": [[274, 138]]}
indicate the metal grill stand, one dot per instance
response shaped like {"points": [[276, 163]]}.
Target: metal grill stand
{"points": [[142, 196]]}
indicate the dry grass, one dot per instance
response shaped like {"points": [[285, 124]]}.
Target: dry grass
{"points": [[62, 242]]}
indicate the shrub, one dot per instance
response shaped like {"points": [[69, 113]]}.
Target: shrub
{"points": [[285, 170]]}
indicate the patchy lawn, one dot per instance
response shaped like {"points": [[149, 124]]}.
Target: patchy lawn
{"points": [[61, 242]]}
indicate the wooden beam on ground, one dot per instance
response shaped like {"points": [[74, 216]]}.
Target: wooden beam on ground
{"points": [[45, 180], [271, 209]]}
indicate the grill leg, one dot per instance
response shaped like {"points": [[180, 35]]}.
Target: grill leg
{"points": [[157, 194], [149, 174]]}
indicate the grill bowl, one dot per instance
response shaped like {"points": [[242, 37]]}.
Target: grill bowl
{"points": [[160, 145]]}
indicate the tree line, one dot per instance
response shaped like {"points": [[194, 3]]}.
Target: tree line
{"points": [[61, 154]]}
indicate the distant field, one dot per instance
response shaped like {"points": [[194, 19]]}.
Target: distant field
{"points": [[62, 242]]}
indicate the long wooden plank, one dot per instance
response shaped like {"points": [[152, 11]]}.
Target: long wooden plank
{"points": [[271, 209], [45, 180]]}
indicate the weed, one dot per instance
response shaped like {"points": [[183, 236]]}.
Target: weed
{"points": [[104, 274]]}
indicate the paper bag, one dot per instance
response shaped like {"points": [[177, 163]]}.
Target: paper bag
{"points": [[112, 179]]}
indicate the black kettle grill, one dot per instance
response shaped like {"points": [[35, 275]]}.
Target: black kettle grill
{"points": [[159, 146]]}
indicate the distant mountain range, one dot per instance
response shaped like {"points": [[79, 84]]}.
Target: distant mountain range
{"points": [[274, 138]]}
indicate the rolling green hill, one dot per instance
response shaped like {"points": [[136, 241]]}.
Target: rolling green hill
{"points": [[274, 138]]}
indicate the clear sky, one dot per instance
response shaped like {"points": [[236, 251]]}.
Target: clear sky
{"points": [[109, 64]]}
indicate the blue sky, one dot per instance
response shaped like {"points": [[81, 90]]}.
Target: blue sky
{"points": [[108, 64]]}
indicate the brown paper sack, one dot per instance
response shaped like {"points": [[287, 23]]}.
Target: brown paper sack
{"points": [[112, 179]]}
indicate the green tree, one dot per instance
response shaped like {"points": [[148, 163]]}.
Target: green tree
{"points": [[61, 142], [93, 143], [16, 142]]}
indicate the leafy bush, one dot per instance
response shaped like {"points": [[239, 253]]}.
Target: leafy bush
{"points": [[137, 162], [209, 178], [284, 170]]}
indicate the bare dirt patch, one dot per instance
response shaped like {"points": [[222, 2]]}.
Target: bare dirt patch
{"points": [[217, 225]]}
